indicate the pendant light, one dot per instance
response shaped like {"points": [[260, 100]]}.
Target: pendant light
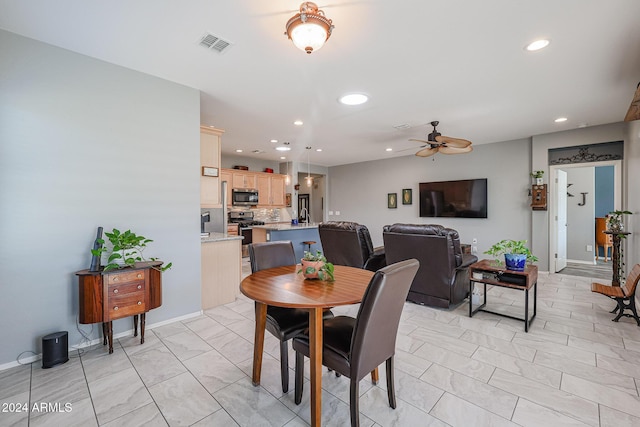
{"points": [[309, 179], [287, 179], [309, 29]]}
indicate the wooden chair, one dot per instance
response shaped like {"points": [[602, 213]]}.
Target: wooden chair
{"points": [[623, 295], [604, 240]]}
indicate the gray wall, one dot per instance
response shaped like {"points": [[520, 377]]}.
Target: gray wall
{"points": [[83, 144], [359, 191], [580, 219]]}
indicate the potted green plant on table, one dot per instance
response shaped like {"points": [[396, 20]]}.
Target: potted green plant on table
{"points": [[315, 266], [516, 253], [125, 250], [614, 220], [538, 176]]}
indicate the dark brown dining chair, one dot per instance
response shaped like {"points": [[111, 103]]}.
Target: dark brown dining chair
{"points": [[283, 323], [355, 347], [624, 296]]}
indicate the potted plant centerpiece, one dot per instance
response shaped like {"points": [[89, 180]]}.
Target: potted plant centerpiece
{"points": [[125, 250], [315, 266], [516, 253]]}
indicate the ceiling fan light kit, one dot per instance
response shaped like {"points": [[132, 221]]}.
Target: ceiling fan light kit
{"points": [[444, 144], [309, 29]]}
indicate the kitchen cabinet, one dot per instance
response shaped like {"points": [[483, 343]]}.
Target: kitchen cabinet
{"points": [[244, 179], [107, 296], [221, 270], [210, 146], [271, 190]]}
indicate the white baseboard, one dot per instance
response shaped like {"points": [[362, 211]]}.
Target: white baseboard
{"points": [[34, 358]]}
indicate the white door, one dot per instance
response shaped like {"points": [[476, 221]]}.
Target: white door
{"points": [[561, 219]]}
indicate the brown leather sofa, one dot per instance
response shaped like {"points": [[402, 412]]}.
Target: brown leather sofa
{"points": [[349, 243], [443, 277]]}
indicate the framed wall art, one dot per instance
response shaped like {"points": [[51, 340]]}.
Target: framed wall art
{"points": [[407, 197], [392, 200]]}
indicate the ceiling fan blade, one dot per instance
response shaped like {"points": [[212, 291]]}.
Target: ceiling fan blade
{"points": [[452, 150], [453, 142], [422, 141], [427, 152], [634, 108]]}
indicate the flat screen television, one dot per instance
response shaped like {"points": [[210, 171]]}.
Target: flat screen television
{"points": [[462, 199]]}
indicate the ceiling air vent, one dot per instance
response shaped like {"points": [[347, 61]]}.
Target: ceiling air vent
{"points": [[214, 43]]}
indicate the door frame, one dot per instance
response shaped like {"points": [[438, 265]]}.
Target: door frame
{"points": [[553, 188]]}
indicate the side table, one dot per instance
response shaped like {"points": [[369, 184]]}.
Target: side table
{"points": [[489, 272], [616, 254], [107, 296]]}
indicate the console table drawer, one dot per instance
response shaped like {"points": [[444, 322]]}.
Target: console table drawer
{"points": [[126, 305], [126, 288], [130, 276]]}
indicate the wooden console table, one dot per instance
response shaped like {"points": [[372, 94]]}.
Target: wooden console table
{"points": [[488, 272], [111, 295]]}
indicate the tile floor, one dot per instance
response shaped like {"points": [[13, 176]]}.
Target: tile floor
{"points": [[574, 368]]}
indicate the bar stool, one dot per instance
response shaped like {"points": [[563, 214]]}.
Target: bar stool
{"points": [[309, 243]]}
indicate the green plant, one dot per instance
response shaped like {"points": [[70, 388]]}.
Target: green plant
{"points": [[614, 220], [537, 174], [125, 246], [325, 270], [511, 247]]}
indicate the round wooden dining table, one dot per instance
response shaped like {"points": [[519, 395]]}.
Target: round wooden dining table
{"points": [[284, 287]]}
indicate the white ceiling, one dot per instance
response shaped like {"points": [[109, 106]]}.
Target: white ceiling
{"points": [[461, 62]]}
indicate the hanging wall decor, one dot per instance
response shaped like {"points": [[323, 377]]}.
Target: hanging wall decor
{"points": [[407, 197], [392, 200]]}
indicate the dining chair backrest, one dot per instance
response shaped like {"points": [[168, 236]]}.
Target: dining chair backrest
{"points": [[271, 254], [374, 337]]}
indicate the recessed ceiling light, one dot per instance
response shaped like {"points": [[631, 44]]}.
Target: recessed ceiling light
{"points": [[298, 123], [537, 45], [318, 149], [274, 141], [282, 157], [238, 150], [388, 149], [282, 148], [354, 99], [560, 119]]}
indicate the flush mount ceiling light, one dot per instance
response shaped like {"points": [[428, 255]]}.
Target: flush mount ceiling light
{"points": [[537, 45], [298, 123], [283, 148], [309, 29], [354, 99]]}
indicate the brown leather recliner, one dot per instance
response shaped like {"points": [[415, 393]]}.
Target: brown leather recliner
{"points": [[349, 243], [443, 277]]}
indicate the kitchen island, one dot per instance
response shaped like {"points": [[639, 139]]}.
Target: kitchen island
{"points": [[221, 268], [297, 234]]}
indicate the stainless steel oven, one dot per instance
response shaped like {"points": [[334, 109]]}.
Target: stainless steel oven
{"points": [[244, 197]]}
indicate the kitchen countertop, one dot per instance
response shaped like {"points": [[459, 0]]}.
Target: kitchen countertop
{"points": [[287, 226], [219, 237]]}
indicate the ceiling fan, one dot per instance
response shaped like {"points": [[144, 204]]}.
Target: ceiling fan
{"points": [[444, 144], [634, 109]]}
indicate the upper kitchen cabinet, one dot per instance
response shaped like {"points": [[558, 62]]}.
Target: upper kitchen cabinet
{"points": [[244, 179], [271, 189], [210, 146]]}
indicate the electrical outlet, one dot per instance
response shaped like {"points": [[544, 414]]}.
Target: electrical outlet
{"points": [[589, 248], [474, 249], [330, 212], [474, 241], [337, 212]]}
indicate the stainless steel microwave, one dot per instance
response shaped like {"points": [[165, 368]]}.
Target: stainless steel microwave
{"points": [[244, 197]]}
